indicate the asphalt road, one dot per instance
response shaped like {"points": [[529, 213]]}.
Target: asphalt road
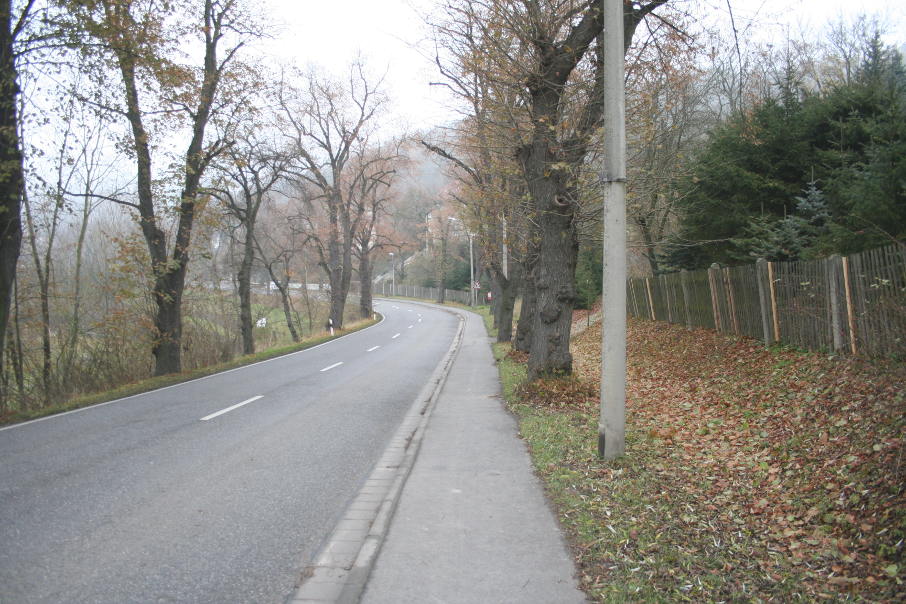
{"points": [[187, 495]]}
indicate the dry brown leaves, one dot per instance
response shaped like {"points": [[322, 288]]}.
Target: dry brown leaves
{"points": [[800, 453]]}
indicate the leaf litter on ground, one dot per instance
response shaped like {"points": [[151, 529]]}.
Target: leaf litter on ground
{"points": [[750, 474]]}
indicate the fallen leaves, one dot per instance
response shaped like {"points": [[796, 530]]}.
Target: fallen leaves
{"points": [[753, 473]]}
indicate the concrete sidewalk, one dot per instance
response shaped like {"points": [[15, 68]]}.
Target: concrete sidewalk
{"points": [[472, 524]]}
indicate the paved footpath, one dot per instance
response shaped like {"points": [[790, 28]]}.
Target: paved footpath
{"points": [[472, 524]]}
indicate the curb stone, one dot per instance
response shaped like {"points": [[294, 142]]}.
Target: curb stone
{"points": [[341, 570]]}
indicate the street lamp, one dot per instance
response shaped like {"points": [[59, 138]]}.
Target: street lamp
{"points": [[392, 276]]}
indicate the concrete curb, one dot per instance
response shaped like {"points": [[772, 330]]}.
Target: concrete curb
{"points": [[342, 568]]}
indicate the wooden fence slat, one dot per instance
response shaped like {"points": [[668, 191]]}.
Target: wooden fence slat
{"points": [[850, 313], [731, 301], [773, 291]]}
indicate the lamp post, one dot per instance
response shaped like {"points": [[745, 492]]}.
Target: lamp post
{"points": [[392, 276]]}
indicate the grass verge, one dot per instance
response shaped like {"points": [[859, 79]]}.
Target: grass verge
{"points": [[749, 474], [155, 383]]}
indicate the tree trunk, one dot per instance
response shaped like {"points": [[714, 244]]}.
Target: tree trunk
{"points": [[365, 299], [15, 348], [337, 302], [282, 286], [167, 293], [523, 339], [11, 179], [649, 243], [244, 277], [75, 320], [509, 288], [555, 267], [42, 272], [288, 313]]}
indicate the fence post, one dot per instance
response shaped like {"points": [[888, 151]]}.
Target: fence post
{"points": [[687, 297], [850, 311], [713, 273], [834, 268], [761, 277], [650, 299]]}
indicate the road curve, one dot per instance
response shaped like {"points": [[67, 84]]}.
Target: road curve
{"points": [[216, 490]]}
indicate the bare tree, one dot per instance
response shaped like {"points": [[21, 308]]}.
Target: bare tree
{"points": [[249, 171], [328, 123], [552, 52], [140, 37], [370, 190]]}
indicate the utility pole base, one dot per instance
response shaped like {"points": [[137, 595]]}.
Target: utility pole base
{"points": [[610, 448]]}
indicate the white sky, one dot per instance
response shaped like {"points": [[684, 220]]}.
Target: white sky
{"points": [[330, 33]]}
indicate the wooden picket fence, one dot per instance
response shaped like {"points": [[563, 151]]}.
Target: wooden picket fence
{"points": [[854, 304]]}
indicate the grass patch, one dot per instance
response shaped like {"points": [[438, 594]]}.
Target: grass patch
{"points": [[749, 474], [155, 383]]}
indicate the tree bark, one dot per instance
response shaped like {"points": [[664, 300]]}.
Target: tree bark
{"points": [[169, 272], [244, 277], [11, 178], [365, 298], [509, 288], [551, 166], [523, 340]]}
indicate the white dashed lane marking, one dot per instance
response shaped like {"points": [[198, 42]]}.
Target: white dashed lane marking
{"points": [[228, 409]]}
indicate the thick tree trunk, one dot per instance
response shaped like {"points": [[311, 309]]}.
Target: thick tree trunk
{"points": [[365, 299], [244, 277], [555, 291], [11, 179], [337, 302], [168, 289], [523, 340], [555, 267]]}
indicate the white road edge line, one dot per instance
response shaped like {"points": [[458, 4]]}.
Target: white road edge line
{"points": [[372, 349], [395, 336], [328, 368], [228, 409]]}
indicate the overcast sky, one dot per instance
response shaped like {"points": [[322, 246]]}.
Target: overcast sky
{"points": [[331, 33]]}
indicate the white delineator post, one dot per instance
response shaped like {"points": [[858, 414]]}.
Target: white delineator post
{"points": [[611, 424]]}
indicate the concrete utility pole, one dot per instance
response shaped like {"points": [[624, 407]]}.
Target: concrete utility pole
{"points": [[612, 421]]}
